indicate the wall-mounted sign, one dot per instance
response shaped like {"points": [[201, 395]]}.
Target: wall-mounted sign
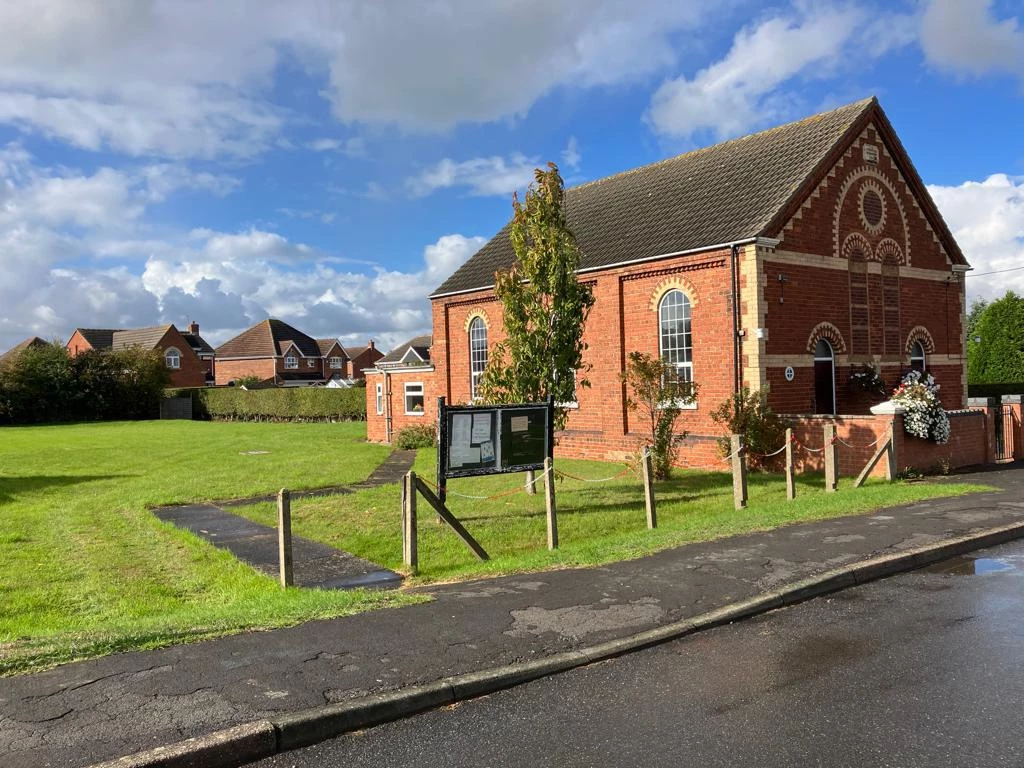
{"points": [[790, 373]]}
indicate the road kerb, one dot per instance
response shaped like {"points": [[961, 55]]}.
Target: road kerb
{"points": [[315, 725], [229, 747]]}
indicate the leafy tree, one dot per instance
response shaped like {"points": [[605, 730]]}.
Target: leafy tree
{"points": [[998, 358], [655, 392], [544, 305], [747, 413]]}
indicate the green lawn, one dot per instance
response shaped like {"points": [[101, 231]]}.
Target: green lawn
{"points": [[597, 522], [85, 569]]}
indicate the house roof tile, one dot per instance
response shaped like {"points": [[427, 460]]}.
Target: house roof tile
{"points": [[724, 193], [420, 344], [268, 338]]}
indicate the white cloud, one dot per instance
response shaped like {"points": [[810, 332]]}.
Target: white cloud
{"points": [[571, 156], [191, 79], [963, 36], [351, 147], [482, 175], [987, 220], [731, 95]]}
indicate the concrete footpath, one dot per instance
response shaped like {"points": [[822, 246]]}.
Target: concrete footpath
{"points": [[292, 685]]}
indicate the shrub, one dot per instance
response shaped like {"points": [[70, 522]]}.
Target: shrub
{"points": [[747, 413], [923, 415], [415, 436], [279, 404], [657, 394]]}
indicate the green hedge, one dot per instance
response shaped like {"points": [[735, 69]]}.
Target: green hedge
{"points": [[278, 404]]}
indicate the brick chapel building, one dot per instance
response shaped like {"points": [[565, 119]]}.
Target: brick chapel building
{"points": [[781, 261]]}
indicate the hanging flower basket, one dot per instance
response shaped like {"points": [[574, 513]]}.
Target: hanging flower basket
{"points": [[923, 414]]}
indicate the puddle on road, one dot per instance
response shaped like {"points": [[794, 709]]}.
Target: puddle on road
{"points": [[965, 565]]}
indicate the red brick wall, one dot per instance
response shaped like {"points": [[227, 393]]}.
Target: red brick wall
{"points": [[858, 437], [232, 370], [394, 402]]}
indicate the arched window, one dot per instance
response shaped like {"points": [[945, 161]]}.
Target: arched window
{"points": [[172, 359], [917, 358], [477, 354], [824, 378], [675, 341]]}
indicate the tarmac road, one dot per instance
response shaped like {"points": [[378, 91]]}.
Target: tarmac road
{"points": [[922, 669]]}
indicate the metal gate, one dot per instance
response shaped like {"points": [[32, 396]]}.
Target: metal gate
{"points": [[1006, 430]]}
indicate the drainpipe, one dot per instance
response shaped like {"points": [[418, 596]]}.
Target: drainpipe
{"points": [[387, 407], [737, 338]]}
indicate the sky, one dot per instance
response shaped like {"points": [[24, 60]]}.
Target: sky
{"points": [[331, 163]]}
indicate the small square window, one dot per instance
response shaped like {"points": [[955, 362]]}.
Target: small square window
{"points": [[414, 399]]}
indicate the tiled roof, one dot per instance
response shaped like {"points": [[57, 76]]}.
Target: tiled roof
{"points": [[147, 338], [420, 344], [720, 194], [98, 338], [17, 349], [268, 338], [325, 346], [198, 343]]}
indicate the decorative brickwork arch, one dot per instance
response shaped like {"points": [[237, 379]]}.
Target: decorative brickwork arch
{"points": [[921, 334], [830, 333], [482, 314], [878, 182], [675, 283], [857, 248], [888, 251]]}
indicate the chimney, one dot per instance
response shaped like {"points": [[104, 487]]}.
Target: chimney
{"points": [[193, 328]]}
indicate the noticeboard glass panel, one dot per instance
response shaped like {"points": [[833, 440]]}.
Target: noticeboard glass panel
{"points": [[524, 436], [472, 440]]}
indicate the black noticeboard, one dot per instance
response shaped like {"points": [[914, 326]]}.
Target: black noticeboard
{"points": [[484, 440]]}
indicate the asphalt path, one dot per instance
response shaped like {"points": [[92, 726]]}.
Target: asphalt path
{"points": [[922, 669]]}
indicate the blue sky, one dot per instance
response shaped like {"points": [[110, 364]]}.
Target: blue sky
{"points": [[331, 163]]}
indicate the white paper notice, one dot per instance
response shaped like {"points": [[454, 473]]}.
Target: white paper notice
{"points": [[460, 455], [487, 452], [481, 427], [462, 424], [519, 423]]}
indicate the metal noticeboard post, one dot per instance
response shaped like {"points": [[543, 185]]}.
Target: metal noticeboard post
{"points": [[492, 439]]}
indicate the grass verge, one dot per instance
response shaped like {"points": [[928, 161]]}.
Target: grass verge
{"points": [[86, 570], [598, 522]]}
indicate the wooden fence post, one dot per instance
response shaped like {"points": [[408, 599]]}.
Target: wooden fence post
{"points": [[549, 503], [739, 472], [790, 470], [831, 459], [652, 514], [410, 556], [284, 536]]}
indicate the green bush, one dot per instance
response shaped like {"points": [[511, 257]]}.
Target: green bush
{"points": [[277, 404], [416, 436], [747, 413]]}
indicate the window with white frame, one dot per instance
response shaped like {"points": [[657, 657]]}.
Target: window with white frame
{"points": [[917, 357], [172, 359], [477, 354], [291, 361], [675, 341], [380, 399], [335, 363], [414, 398]]}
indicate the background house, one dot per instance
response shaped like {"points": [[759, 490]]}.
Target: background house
{"points": [[782, 261], [400, 390], [179, 350]]}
